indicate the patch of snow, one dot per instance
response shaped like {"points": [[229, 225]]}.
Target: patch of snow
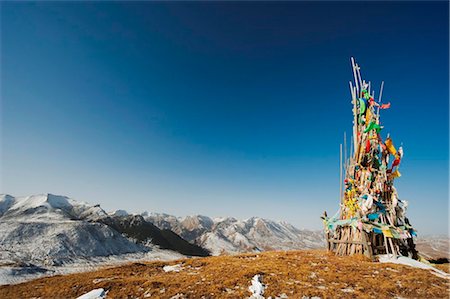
{"points": [[403, 260], [94, 294], [174, 268], [257, 288], [45, 206]]}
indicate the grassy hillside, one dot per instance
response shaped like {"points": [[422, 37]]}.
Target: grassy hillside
{"points": [[293, 273]]}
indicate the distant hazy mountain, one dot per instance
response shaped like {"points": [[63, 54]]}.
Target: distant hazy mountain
{"points": [[50, 230], [229, 235], [434, 246]]}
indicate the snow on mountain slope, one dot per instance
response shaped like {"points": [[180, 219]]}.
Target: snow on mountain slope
{"points": [[51, 230], [49, 234], [54, 243], [229, 235], [119, 213], [47, 206]]}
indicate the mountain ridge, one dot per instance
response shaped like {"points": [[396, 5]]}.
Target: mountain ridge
{"points": [[230, 235], [48, 229]]}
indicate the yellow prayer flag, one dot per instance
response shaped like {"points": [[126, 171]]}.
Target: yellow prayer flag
{"points": [[395, 174], [368, 115], [387, 233], [390, 146]]}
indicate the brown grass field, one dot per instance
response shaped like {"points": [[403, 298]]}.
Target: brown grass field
{"points": [[293, 273]]}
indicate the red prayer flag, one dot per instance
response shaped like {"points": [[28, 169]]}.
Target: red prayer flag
{"points": [[386, 106], [368, 146]]}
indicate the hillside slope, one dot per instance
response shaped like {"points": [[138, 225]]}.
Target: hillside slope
{"points": [[134, 226], [291, 274]]}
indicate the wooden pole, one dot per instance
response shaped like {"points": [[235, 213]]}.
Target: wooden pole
{"points": [[367, 246], [359, 79], [381, 92], [341, 200], [327, 233], [345, 154], [379, 101], [355, 75]]}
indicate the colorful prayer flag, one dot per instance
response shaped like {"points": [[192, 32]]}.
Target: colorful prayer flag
{"points": [[386, 106], [373, 126]]}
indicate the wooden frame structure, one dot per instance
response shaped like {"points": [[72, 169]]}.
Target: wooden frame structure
{"points": [[372, 218]]}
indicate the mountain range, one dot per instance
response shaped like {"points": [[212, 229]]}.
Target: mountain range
{"points": [[52, 230], [230, 235], [50, 234]]}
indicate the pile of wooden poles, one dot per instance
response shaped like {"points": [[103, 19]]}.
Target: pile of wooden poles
{"points": [[366, 184]]}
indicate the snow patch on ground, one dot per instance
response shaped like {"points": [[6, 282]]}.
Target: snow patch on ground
{"points": [[94, 294], [403, 260], [257, 288], [174, 268]]}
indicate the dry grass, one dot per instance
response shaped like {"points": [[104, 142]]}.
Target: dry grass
{"points": [[295, 273]]}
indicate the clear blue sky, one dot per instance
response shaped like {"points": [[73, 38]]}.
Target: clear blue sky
{"points": [[223, 109]]}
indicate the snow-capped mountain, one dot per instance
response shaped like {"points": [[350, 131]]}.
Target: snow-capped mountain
{"points": [[47, 206], [49, 229], [52, 230], [229, 235]]}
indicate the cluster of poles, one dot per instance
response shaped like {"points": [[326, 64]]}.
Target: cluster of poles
{"points": [[366, 184]]}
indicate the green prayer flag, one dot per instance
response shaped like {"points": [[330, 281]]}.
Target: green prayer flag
{"points": [[372, 126], [362, 106]]}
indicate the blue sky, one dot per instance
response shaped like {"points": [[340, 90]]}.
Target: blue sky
{"points": [[223, 109]]}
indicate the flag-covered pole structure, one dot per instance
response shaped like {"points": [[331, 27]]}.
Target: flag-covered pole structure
{"points": [[372, 218]]}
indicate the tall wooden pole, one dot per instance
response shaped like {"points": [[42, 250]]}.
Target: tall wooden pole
{"points": [[355, 75], [381, 92], [379, 101], [341, 200], [345, 154]]}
